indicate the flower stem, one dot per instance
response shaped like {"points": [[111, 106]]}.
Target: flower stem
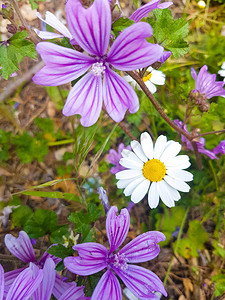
{"points": [[157, 105], [23, 21]]}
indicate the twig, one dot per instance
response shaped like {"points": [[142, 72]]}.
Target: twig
{"points": [[208, 133], [157, 105], [13, 86], [126, 130], [15, 5]]}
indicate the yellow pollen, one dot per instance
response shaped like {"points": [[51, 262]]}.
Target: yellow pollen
{"points": [[146, 78], [154, 170]]}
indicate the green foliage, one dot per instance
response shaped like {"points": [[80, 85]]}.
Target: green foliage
{"points": [[121, 24], [84, 220], [34, 4], [169, 222], [57, 195], [196, 237], [28, 148], [21, 215], [219, 281], [60, 251], [170, 33], [4, 145], [12, 54]]}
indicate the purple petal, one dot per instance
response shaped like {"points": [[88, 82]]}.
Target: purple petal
{"points": [[85, 99], [45, 289], [144, 247], [144, 10], [91, 27], [2, 282], [20, 247], [92, 259], [74, 293], [164, 5], [165, 56], [61, 286], [117, 227], [47, 255], [118, 96], [25, 285], [193, 73], [131, 51], [62, 64], [141, 282], [108, 288], [9, 278]]}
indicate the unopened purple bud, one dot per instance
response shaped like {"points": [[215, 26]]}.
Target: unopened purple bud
{"points": [[104, 199], [4, 6], [130, 205], [33, 242]]}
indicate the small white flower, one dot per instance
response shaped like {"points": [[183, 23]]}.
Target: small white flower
{"points": [[156, 170], [222, 72], [152, 77], [51, 20], [71, 238], [201, 4]]}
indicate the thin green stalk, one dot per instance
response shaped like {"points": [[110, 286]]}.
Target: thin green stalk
{"points": [[177, 245], [63, 142]]}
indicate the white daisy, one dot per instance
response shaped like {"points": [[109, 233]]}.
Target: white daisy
{"points": [[156, 170], [222, 72], [152, 77]]}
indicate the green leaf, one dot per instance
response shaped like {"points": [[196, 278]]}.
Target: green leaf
{"points": [[43, 194], [196, 237], [45, 124], [57, 235], [13, 53], [60, 251], [121, 24], [20, 215], [169, 32], [41, 223], [33, 3], [93, 212], [219, 281]]}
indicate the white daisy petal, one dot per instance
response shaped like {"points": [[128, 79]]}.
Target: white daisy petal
{"points": [[152, 88], [46, 35], [128, 174], [158, 77], [131, 155], [222, 73], [178, 162], [173, 192], [121, 184], [153, 195], [165, 194], [160, 145], [132, 186], [177, 184], [147, 144], [180, 175], [140, 191], [136, 147], [131, 164], [172, 149]]}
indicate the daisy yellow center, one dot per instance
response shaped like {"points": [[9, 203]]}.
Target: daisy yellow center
{"points": [[154, 170], [146, 78]]}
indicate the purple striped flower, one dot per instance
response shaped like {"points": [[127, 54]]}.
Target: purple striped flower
{"points": [[23, 286], [22, 248], [91, 29], [144, 10], [115, 156], [206, 83], [95, 257], [220, 149]]}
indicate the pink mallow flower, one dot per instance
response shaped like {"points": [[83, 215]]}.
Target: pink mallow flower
{"points": [[144, 10], [95, 257], [206, 83], [220, 149], [51, 282], [115, 156], [200, 143], [91, 29]]}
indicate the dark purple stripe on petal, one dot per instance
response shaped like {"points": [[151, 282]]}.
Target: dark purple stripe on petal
{"points": [[117, 227], [143, 11], [2, 282], [118, 96], [141, 282], [85, 99], [108, 288], [131, 51], [91, 27], [73, 293]]}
